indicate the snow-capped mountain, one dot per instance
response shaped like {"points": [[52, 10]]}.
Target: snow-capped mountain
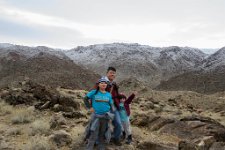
{"points": [[111, 52], [208, 78], [146, 63], [8, 49], [215, 61], [176, 60]]}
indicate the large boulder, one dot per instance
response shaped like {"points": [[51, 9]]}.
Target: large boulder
{"points": [[69, 102], [57, 120], [61, 138], [203, 143], [218, 146], [17, 96], [194, 127]]}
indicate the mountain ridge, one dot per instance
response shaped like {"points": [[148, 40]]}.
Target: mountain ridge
{"points": [[149, 65], [146, 63]]}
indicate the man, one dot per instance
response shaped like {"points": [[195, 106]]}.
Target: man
{"points": [[113, 89]]}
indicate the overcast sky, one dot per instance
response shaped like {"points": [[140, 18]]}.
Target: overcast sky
{"points": [[70, 23]]}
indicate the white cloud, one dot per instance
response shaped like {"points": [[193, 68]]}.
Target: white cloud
{"points": [[67, 23], [119, 32]]}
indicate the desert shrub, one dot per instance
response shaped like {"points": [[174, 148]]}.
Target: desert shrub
{"points": [[5, 108], [14, 131], [37, 143], [40, 126], [21, 116]]}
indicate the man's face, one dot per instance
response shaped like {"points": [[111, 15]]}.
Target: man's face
{"points": [[111, 75]]}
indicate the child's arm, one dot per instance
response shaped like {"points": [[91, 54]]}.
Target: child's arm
{"points": [[130, 98], [88, 105], [87, 102]]}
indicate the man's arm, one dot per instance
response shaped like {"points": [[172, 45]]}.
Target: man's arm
{"points": [[111, 103]]}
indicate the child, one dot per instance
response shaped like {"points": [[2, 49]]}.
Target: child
{"points": [[124, 112], [100, 103]]}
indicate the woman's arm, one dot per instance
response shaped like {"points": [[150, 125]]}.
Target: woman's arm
{"points": [[87, 102]]}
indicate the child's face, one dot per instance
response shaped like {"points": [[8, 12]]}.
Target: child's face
{"points": [[102, 85], [122, 100]]}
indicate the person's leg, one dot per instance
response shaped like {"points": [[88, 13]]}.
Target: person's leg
{"points": [[123, 130], [117, 127], [102, 130], [127, 128], [92, 139], [92, 117], [87, 128]]}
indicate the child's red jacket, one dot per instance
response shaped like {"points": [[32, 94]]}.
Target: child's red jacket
{"points": [[127, 102]]}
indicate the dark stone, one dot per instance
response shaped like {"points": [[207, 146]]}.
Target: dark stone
{"points": [[153, 146]]}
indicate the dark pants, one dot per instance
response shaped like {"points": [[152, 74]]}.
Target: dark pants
{"points": [[99, 134]]}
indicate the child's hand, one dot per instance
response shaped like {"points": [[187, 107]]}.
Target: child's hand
{"points": [[92, 110], [135, 93]]}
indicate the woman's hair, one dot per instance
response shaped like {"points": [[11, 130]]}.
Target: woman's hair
{"points": [[97, 89]]}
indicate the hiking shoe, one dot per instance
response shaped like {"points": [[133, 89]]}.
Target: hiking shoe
{"points": [[129, 139], [123, 136], [117, 143]]}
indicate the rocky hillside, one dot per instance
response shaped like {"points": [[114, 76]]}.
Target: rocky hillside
{"points": [[209, 79], [215, 61], [147, 64], [199, 81], [43, 67]]}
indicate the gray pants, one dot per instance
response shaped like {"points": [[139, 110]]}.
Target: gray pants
{"points": [[126, 127], [99, 134]]}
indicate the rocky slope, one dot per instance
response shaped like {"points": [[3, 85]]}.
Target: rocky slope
{"points": [[48, 118], [215, 61], [44, 68], [208, 79]]}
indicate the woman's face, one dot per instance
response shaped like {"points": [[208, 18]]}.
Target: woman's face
{"points": [[102, 85]]}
